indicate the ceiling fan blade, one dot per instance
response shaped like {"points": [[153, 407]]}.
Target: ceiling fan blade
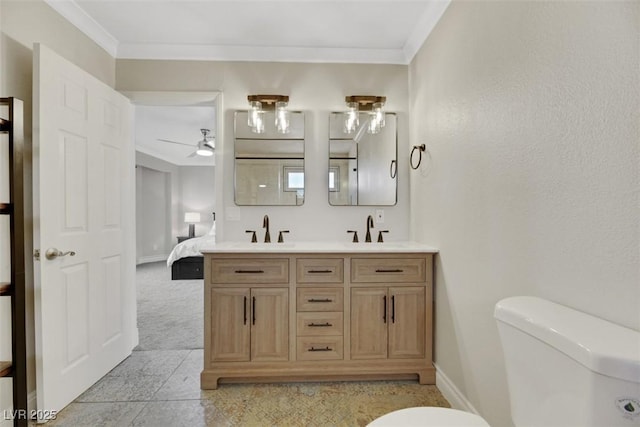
{"points": [[175, 142], [195, 153]]}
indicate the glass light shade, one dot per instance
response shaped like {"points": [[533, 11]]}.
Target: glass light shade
{"points": [[351, 120], [255, 107], [258, 122], [374, 125], [282, 117], [191, 217], [378, 112]]}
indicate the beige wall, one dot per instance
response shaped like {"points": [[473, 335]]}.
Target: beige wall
{"points": [[529, 111], [23, 23], [316, 89]]}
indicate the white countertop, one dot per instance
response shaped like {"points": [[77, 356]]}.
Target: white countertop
{"points": [[318, 247]]}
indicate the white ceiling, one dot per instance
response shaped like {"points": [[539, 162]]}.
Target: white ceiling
{"points": [[353, 31], [180, 124], [346, 31]]}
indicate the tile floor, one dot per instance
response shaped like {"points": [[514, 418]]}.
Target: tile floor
{"points": [[160, 386]]}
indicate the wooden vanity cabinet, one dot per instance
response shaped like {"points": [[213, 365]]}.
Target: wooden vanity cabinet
{"points": [[388, 323], [307, 316], [255, 324]]}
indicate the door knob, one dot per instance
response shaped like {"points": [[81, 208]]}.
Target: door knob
{"points": [[53, 253]]}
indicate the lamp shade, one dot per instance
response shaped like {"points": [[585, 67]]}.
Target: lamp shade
{"points": [[191, 217]]}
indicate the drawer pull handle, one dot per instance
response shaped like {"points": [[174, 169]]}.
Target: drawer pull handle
{"points": [[320, 325], [320, 271], [320, 349], [391, 270], [249, 271], [320, 300]]}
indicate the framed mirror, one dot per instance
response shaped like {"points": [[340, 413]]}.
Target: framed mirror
{"points": [[269, 166], [363, 165]]}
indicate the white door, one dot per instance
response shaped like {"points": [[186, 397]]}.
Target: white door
{"points": [[84, 201]]}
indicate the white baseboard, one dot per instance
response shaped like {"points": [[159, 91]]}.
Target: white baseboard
{"points": [[452, 393], [151, 258]]}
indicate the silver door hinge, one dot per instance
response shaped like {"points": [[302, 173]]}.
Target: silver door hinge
{"points": [[36, 254]]}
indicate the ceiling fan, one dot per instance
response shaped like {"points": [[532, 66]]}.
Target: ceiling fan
{"points": [[205, 147]]}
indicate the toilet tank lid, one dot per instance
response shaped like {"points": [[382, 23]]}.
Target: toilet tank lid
{"points": [[598, 344]]}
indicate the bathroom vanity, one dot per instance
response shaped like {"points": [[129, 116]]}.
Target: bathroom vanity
{"points": [[317, 311]]}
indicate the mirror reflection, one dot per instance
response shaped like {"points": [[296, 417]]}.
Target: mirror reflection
{"points": [[269, 166], [362, 165]]}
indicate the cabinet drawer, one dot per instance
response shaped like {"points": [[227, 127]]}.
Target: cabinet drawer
{"points": [[325, 323], [319, 348], [320, 270], [320, 299], [388, 270], [250, 271]]}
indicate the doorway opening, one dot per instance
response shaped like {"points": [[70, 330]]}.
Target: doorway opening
{"points": [[175, 201]]}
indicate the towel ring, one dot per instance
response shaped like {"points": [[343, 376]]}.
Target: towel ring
{"points": [[420, 149], [393, 171]]}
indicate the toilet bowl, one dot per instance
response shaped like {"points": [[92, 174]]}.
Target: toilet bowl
{"points": [[427, 416]]}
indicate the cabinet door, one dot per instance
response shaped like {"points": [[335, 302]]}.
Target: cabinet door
{"points": [[368, 323], [230, 325], [269, 324], [407, 322]]}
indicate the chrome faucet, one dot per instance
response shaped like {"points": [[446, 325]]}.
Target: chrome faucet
{"points": [[367, 238], [265, 224]]}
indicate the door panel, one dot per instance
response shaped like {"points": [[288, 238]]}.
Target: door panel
{"points": [[83, 180], [270, 324], [407, 329], [230, 325], [368, 323]]}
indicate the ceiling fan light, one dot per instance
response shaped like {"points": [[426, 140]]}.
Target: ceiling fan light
{"points": [[204, 152], [204, 149]]}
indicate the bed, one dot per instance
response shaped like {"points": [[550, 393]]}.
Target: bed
{"points": [[186, 261]]}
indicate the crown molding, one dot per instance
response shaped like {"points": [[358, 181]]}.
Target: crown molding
{"points": [[70, 10], [260, 53], [422, 30]]}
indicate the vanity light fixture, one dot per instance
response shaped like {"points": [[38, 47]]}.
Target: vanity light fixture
{"points": [[371, 104], [258, 104]]}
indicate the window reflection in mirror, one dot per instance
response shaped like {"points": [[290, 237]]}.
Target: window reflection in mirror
{"points": [[361, 164], [269, 166]]}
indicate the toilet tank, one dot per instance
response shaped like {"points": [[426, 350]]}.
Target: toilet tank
{"points": [[568, 368]]}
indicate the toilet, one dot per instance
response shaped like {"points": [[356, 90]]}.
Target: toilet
{"points": [[564, 368], [429, 416]]}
